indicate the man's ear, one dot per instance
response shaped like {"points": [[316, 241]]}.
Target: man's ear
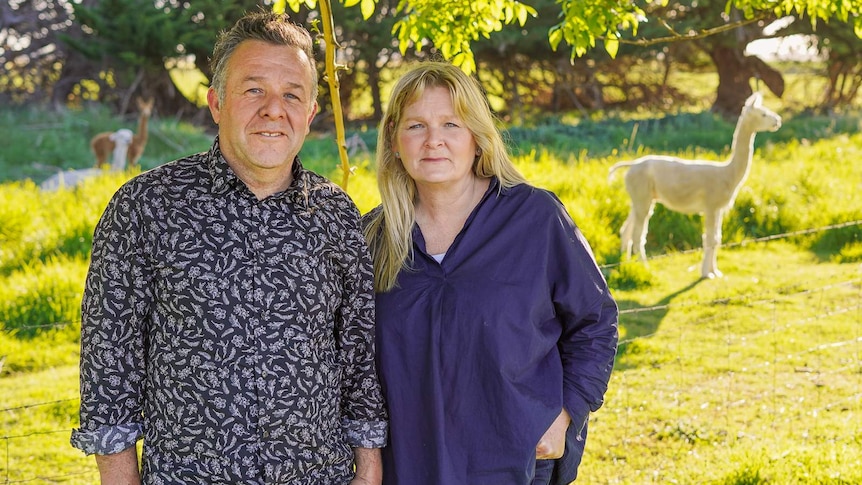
{"points": [[212, 101], [314, 110], [311, 116]]}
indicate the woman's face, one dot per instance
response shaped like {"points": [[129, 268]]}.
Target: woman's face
{"points": [[433, 143]]}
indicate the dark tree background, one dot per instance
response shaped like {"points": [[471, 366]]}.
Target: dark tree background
{"points": [[111, 51]]}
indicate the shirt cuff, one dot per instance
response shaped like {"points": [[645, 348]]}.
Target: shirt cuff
{"points": [[366, 434], [578, 409], [107, 440]]}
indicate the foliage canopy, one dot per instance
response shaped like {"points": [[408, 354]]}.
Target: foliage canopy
{"points": [[451, 25]]}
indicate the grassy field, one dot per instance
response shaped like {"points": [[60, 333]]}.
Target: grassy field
{"points": [[754, 378]]}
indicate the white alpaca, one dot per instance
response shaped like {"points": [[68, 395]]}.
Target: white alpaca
{"points": [[693, 186], [69, 178], [122, 141]]}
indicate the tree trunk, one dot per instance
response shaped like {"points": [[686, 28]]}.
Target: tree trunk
{"points": [[374, 85], [733, 77], [169, 101], [735, 71]]}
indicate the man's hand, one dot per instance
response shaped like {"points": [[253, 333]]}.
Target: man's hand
{"points": [[369, 466], [553, 442]]}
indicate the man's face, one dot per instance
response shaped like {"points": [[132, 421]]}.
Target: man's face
{"points": [[267, 108]]}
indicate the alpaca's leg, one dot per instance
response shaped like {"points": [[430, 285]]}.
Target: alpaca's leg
{"points": [[626, 237], [711, 242], [640, 224], [134, 155], [640, 186]]}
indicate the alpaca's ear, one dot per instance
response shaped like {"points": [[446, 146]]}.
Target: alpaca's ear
{"points": [[755, 99]]}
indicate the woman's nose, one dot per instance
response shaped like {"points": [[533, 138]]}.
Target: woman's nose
{"points": [[434, 139]]}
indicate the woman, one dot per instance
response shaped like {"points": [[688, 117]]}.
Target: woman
{"points": [[496, 332]]}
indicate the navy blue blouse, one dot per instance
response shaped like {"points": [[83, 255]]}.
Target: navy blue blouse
{"points": [[479, 353]]}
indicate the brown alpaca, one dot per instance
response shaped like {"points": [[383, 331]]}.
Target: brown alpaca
{"points": [[102, 145]]}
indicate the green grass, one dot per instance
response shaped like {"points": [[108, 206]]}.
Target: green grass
{"points": [[753, 378], [36, 143], [756, 374]]}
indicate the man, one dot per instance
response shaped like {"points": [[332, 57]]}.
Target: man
{"points": [[228, 311]]}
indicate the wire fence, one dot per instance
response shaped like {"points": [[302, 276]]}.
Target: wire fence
{"points": [[760, 392], [745, 242], [781, 396]]}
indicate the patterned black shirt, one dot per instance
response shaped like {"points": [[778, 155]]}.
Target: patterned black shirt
{"points": [[234, 335]]}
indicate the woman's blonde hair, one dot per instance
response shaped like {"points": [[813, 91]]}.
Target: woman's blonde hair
{"points": [[389, 230]]}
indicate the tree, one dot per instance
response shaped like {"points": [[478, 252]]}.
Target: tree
{"points": [[725, 47], [452, 25], [838, 45], [136, 43], [844, 65], [721, 28], [367, 45], [32, 56]]}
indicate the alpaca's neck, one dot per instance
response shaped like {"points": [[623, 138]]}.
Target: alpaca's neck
{"points": [[142, 127], [741, 151], [118, 162]]}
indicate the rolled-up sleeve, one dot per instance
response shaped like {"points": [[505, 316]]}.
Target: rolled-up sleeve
{"points": [[589, 316], [115, 304], [364, 415]]}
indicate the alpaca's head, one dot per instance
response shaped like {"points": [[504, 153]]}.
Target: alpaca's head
{"points": [[146, 106], [122, 139], [758, 117]]}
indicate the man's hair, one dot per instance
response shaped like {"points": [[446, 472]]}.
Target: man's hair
{"points": [[389, 231], [273, 28]]}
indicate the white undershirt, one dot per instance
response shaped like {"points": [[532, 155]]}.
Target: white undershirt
{"points": [[439, 257]]}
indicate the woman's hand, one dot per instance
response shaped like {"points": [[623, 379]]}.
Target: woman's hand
{"points": [[553, 442]]}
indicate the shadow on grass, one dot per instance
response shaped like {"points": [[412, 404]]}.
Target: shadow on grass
{"points": [[642, 321]]}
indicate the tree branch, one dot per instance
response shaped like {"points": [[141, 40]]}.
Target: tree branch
{"points": [[694, 35]]}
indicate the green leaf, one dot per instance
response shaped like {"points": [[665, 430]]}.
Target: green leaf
{"points": [[465, 61], [522, 15], [367, 7], [612, 45], [555, 36]]}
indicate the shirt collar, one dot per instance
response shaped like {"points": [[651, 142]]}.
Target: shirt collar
{"points": [[225, 180]]}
